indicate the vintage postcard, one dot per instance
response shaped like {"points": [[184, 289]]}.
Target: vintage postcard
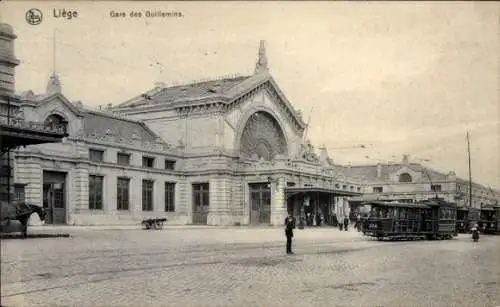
{"points": [[256, 153]]}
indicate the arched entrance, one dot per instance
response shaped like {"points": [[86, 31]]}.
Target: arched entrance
{"points": [[262, 139]]}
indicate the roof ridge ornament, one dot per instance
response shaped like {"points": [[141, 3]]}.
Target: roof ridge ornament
{"points": [[261, 65]]}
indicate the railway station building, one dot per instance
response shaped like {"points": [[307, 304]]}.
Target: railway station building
{"points": [[225, 151]]}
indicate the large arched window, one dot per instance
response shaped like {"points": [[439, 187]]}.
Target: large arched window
{"points": [[405, 177], [262, 138], [56, 122]]}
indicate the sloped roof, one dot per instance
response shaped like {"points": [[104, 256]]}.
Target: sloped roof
{"points": [[369, 172], [100, 123], [199, 90], [96, 122], [224, 90]]}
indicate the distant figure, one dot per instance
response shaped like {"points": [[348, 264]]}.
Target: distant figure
{"points": [[289, 226], [346, 223], [318, 219]]}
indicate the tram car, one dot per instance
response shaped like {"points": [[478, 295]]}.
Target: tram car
{"points": [[489, 221], [466, 218], [402, 221]]}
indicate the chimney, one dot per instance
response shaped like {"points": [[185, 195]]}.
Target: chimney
{"points": [[160, 84], [406, 159], [379, 170]]}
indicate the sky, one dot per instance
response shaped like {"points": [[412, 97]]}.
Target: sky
{"points": [[397, 77]]}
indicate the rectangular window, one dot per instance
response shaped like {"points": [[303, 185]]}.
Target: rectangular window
{"points": [[122, 193], [378, 189], [436, 188], [147, 195], [169, 196], [170, 164], [96, 155], [19, 192], [201, 196], [148, 162], [95, 192], [123, 159]]}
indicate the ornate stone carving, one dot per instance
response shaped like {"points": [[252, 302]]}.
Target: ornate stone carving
{"points": [[307, 152], [262, 137]]}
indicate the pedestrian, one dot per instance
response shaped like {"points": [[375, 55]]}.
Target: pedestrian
{"points": [[318, 219], [289, 226], [346, 223]]}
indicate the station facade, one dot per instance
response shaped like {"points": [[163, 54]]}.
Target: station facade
{"points": [[228, 151]]}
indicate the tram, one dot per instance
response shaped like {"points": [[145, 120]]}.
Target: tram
{"points": [[489, 221], [434, 219], [466, 218]]}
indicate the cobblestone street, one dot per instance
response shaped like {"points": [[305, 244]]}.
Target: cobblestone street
{"points": [[247, 267]]}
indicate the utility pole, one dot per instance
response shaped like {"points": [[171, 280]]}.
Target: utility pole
{"points": [[470, 173], [308, 122]]}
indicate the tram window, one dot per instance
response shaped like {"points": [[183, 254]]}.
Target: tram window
{"points": [[395, 212], [402, 213]]}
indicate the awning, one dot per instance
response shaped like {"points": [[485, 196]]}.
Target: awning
{"points": [[12, 137], [363, 198], [294, 191]]}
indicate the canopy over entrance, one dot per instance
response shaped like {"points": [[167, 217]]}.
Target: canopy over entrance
{"points": [[289, 192], [12, 135]]}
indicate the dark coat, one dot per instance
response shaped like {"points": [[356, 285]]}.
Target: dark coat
{"points": [[289, 226]]}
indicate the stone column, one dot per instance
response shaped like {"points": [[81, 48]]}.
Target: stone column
{"points": [[278, 202]]}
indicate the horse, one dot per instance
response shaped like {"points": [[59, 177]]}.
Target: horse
{"points": [[21, 212]]}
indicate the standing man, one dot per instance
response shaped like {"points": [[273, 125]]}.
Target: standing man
{"points": [[289, 226], [346, 223]]}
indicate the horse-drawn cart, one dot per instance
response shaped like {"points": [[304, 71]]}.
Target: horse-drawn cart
{"points": [[18, 211], [153, 223]]}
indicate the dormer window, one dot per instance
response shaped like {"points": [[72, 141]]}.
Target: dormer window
{"points": [[405, 177]]}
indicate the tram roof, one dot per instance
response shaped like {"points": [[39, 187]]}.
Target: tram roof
{"points": [[395, 204]]}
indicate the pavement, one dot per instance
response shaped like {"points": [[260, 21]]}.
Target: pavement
{"points": [[244, 266]]}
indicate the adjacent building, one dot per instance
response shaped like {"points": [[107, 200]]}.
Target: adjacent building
{"points": [[412, 182]]}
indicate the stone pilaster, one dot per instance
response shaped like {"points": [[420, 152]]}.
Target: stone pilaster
{"points": [[135, 196], [159, 197], [238, 202], [220, 212], [29, 172], [182, 198], [278, 202], [78, 194], [110, 194]]}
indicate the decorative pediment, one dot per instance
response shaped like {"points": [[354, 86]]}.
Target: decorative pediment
{"points": [[60, 99]]}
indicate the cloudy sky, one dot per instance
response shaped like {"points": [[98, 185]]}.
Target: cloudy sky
{"points": [[404, 77]]}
